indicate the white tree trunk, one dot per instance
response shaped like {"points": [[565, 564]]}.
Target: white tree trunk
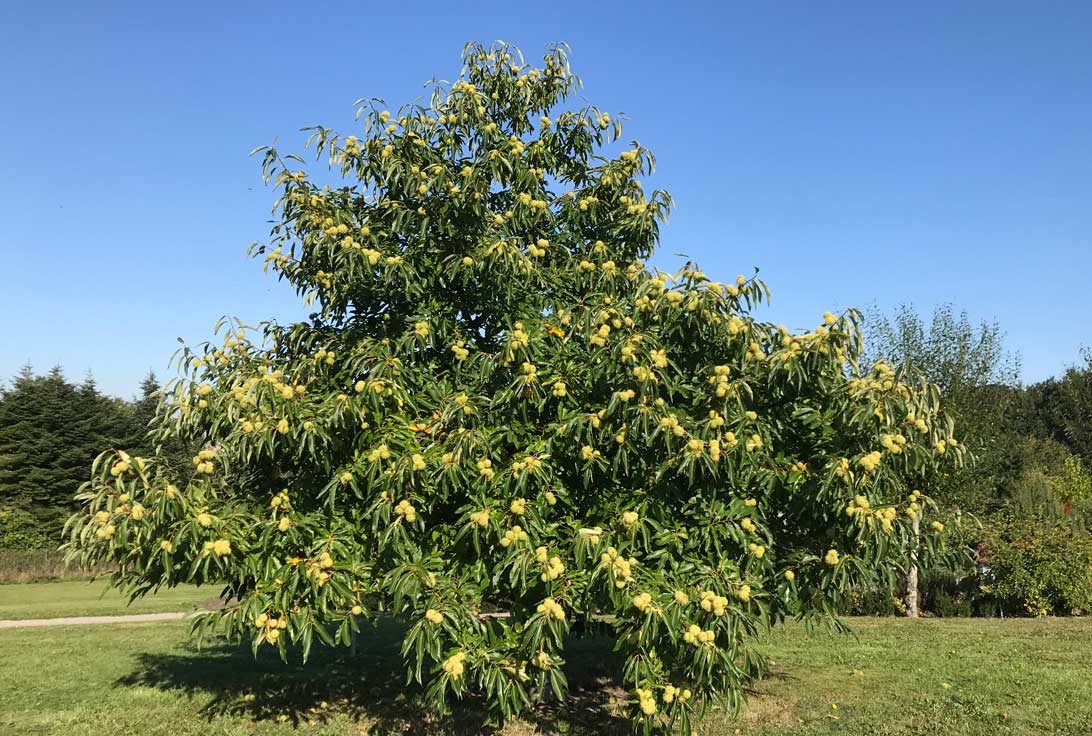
{"points": [[912, 574]]}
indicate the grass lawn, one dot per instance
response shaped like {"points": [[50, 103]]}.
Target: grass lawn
{"points": [[84, 598], [950, 677]]}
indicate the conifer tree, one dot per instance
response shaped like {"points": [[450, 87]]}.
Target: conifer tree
{"points": [[50, 430]]}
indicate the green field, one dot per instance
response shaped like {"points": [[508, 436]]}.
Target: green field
{"points": [[940, 677], [91, 598]]}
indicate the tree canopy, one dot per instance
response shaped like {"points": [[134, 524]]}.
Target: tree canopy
{"points": [[1061, 408], [50, 431], [977, 378]]}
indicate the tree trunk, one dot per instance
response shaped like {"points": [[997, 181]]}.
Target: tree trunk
{"points": [[912, 575]]}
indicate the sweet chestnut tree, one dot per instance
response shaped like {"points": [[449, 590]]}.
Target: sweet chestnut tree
{"points": [[499, 420]]}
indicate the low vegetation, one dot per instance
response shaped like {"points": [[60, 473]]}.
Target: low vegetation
{"points": [[41, 566]]}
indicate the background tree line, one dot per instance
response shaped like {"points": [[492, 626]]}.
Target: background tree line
{"points": [[51, 429], [1029, 486]]}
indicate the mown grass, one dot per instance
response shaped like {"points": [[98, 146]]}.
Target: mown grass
{"points": [[937, 676], [92, 598], [968, 677]]}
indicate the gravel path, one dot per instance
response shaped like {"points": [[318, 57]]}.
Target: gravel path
{"points": [[82, 620]]}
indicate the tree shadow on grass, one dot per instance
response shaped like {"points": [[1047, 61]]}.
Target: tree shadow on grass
{"points": [[369, 688]]}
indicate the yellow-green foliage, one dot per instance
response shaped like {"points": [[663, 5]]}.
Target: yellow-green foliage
{"points": [[498, 407]]}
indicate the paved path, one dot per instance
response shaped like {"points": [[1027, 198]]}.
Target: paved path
{"points": [[81, 620]]}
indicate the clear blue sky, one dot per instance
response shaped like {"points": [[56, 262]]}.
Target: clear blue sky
{"points": [[923, 152]]}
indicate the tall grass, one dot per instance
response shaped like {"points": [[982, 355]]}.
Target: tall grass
{"points": [[40, 565]]}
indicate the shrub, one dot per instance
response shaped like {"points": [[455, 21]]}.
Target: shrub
{"points": [[945, 594], [880, 602], [497, 406], [1038, 568], [946, 605], [20, 529]]}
